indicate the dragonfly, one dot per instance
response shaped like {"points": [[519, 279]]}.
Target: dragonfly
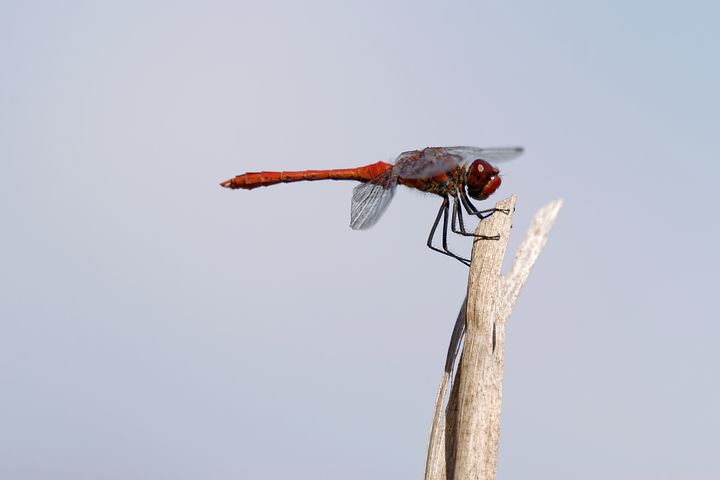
{"points": [[456, 174]]}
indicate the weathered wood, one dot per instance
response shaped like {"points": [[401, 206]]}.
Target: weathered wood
{"points": [[464, 441], [479, 375]]}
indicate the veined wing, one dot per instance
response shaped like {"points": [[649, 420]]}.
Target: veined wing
{"points": [[436, 160], [425, 163], [492, 155], [370, 200]]}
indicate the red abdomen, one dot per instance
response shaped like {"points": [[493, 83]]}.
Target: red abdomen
{"points": [[251, 180]]}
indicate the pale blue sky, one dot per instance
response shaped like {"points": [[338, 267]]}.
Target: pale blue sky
{"points": [[154, 325]]}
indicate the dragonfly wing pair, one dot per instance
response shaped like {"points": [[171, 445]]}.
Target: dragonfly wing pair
{"points": [[370, 199]]}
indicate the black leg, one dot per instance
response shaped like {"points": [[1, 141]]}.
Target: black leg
{"points": [[443, 212], [457, 213], [469, 206], [446, 208], [472, 210]]}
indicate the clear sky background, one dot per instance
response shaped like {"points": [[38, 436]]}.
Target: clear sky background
{"points": [[154, 325]]}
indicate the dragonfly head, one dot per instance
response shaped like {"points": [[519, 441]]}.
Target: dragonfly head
{"points": [[482, 179]]}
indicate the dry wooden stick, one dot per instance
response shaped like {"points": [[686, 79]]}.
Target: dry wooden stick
{"points": [[464, 440]]}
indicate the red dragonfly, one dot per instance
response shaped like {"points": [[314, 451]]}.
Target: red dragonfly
{"points": [[450, 172]]}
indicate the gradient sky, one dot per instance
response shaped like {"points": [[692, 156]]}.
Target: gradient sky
{"points": [[154, 325]]}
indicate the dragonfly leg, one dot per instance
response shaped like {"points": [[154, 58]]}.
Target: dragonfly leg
{"points": [[469, 207], [443, 213], [472, 210], [457, 212]]}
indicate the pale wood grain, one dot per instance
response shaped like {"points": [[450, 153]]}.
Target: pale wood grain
{"points": [[464, 440]]}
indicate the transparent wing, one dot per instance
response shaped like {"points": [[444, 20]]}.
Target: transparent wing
{"points": [[492, 155], [425, 163], [370, 200], [435, 160]]}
